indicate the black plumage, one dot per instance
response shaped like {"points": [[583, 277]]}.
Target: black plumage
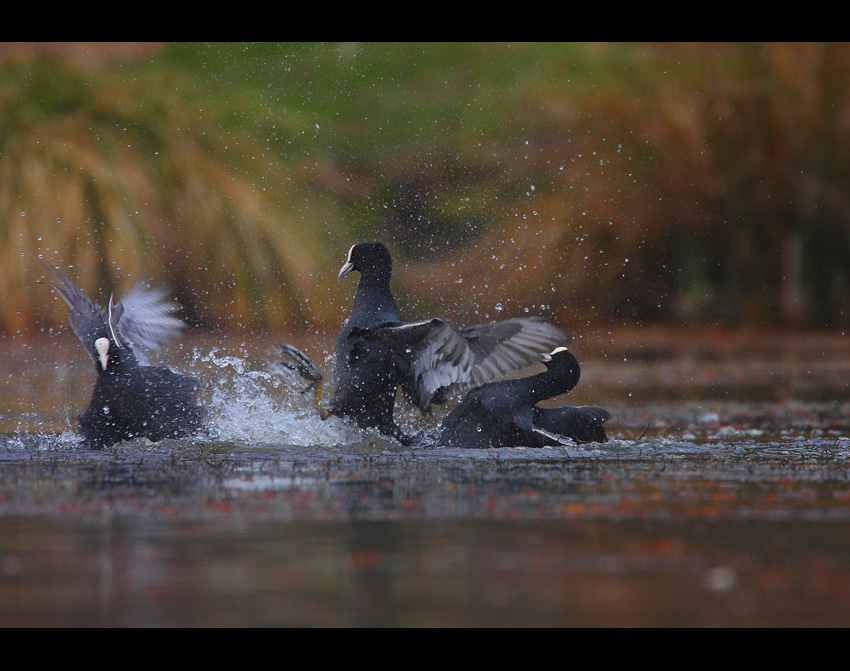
{"points": [[377, 351], [583, 423], [504, 413], [131, 398]]}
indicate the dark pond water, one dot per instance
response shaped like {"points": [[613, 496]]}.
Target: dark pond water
{"points": [[722, 499]]}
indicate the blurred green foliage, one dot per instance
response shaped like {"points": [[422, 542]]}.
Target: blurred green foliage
{"points": [[701, 184]]}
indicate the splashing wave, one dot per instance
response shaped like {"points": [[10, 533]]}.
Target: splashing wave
{"points": [[264, 405]]}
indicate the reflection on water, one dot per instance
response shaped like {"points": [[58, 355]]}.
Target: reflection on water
{"points": [[136, 572], [723, 498]]}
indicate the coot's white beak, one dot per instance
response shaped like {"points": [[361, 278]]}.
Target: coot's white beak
{"points": [[347, 267], [101, 345], [548, 357]]}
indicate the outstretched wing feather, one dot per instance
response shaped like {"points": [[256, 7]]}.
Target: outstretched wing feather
{"points": [[143, 319], [148, 319], [451, 359]]}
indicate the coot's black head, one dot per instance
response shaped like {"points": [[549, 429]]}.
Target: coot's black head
{"points": [[371, 259], [561, 363], [109, 352], [109, 355]]}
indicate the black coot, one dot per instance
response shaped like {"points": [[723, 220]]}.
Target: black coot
{"points": [[377, 351], [504, 413], [131, 398]]}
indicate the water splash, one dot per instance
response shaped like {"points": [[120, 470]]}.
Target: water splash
{"points": [[37, 441], [261, 402]]}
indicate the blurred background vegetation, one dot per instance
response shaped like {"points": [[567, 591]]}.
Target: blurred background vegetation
{"points": [[702, 185]]}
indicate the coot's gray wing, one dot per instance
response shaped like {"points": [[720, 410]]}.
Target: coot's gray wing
{"points": [[143, 320], [147, 320], [445, 360], [87, 319]]}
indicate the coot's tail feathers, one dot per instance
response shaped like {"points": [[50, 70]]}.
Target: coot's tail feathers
{"points": [[304, 366], [451, 360]]}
